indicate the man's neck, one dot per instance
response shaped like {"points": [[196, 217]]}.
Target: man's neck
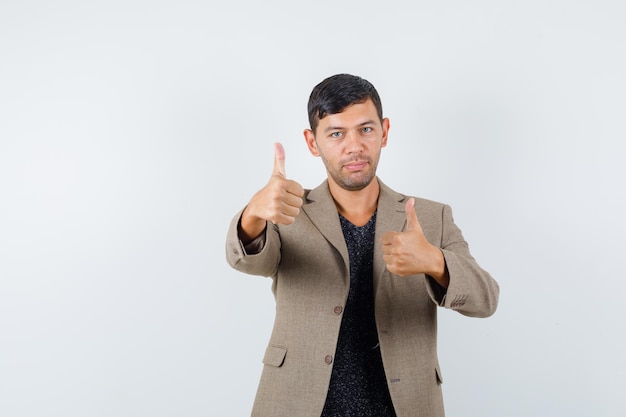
{"points": [[356, 206]]}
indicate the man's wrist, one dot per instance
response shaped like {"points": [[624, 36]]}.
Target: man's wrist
{"points": [[250, 227], [439, 271]]}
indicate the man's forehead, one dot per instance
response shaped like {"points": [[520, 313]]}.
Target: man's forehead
{"points": [[355, 114]]}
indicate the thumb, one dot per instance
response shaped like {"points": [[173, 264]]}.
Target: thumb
{"points": [[279, 159], [411, 217]]}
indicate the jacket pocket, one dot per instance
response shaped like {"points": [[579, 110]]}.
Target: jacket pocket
{"points": [[275, 355]]}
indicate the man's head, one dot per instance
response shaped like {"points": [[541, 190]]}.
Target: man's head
{"points": [[347, 130], [337, 92]]}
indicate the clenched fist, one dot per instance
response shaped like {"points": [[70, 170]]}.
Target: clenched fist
{"points": [[409, 252], [278, 202]]}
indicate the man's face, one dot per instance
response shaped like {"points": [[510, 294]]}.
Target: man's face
{"points": [[349, 143]]}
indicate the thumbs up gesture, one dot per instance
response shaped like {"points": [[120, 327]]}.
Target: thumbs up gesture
{"points": [[409, 252], [278, 202]]}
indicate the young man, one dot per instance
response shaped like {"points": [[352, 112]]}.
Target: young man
{"points": [[358, 271]]}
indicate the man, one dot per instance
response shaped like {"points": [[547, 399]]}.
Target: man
{"points": [[358, 271]]}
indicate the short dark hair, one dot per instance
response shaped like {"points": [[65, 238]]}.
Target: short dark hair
{"points": [[337, 92]]}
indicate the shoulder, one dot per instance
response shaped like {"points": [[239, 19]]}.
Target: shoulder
{"points": [[320, 192], [387, 192]]}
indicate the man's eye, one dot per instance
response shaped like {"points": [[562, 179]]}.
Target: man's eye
{"points": [[366, 130], [335, 135]]}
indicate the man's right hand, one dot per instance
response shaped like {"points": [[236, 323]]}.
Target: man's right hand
{"points": [[278, 202]]}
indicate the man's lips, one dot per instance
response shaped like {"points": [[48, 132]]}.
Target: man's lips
{"points": [[355, 165]]}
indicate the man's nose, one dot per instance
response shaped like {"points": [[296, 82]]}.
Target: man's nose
{"points": [[353, 142]]}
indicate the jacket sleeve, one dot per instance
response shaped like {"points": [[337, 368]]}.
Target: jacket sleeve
{"points": [[264, 262], [472, 291]]}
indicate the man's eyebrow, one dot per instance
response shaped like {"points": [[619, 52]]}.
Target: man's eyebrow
{"points": [[365, 123]]}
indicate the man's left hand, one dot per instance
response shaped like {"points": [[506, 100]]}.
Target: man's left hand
{"points": [[410, 253]]}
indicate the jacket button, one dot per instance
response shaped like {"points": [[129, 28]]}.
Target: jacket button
{"points": [[338, 310], [328, 359]]}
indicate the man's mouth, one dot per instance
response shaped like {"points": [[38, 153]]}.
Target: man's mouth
{"points": [[355, 165]]}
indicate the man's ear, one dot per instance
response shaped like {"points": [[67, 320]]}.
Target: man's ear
{"points": [[309, 137], [386, 127]]}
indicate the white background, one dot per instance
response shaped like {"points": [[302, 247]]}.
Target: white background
{"points": [[131, 132]]}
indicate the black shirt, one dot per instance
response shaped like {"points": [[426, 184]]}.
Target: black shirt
{"points": [[358, 387]]}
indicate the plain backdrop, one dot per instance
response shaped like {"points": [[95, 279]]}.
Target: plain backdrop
{"points": [[132, 131]]}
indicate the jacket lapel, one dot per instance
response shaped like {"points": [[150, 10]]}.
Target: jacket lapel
{"points": [[321, 209], [390, 217]]}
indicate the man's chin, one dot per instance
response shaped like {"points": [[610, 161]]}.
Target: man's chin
{"points": [[355, 185]]}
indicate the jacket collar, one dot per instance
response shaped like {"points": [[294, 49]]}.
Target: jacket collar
{"points": [[390, 217], [321, 209]]}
